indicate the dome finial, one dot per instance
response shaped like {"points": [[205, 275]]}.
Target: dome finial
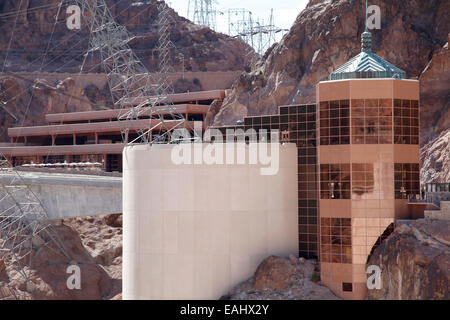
{"points": [[367, 16], [366, 37]]}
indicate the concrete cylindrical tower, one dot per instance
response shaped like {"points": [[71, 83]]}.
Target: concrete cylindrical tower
{"points": [[194, 231]]}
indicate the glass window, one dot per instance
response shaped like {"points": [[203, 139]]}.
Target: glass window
{"points": [[335, 181], [368, 116], [347, 287], [363, 180], [336, 241], [406, 121], [334, 122], [406, 180], [385, 103]]}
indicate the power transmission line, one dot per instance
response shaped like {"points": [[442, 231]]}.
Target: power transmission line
{"points": [[203, 12], [255, 33]]}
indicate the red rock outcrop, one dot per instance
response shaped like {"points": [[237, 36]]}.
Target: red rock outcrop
{"points": [[92, 243], [274, 272], [327, 34], [435, 95], [29, 101], [278, 278], [414, 262], [202, 48], [196, 48], [435, 159], [102, 238]]}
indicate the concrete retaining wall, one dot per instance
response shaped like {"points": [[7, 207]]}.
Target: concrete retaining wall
{"points": [[443, 213], [66, 196]]}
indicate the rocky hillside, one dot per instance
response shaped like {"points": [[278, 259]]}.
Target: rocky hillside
{"points": [[435, 95], [202, 48], [27, 102], [35, 34], [435, 159], [93, 243], [327, 34], [415, 262], [278, 278]]}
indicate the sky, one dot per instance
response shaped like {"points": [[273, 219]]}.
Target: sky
{"points": [[285, 11]]}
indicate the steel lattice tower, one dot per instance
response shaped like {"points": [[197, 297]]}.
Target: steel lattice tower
{"points": [[24, 223], [256, 34], [202, 12], [130, 83]]}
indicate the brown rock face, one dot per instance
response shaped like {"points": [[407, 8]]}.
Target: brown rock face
{"points": [[3, 274], [415, 262], [92, 244], [114, 220], [435, 95], [435, 159], [326, 35], [282, 279], [49, 272], [36, 44], [202, 48], [212, 111], [274, 272], [29, 101]]}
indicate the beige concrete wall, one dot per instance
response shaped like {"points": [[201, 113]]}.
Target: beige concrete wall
{"points": [[195, 231], [443, 213], [69, 195]]}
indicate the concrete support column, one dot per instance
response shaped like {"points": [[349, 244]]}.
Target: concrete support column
{"points": [[105, 162]]}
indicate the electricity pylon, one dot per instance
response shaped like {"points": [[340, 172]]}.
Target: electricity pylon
{"points": [[135, 91], [24, 223], [257, 34], [203, 13]]}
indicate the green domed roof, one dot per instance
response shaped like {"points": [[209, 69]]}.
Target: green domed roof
{"points": [[367, 64]]}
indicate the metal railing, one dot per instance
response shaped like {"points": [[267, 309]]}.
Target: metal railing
{"points": [[432, 193]]}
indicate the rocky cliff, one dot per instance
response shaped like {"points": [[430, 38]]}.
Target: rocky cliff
{"points": [[435, 159], [27, 102], [415, 262], [31, 41], [327, 34], [278, 278], [92, 243], [35, 35], [435, 95]]}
